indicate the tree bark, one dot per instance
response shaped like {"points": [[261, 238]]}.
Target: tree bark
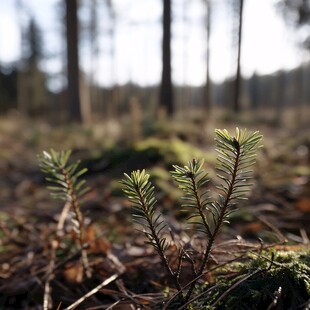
{"points": [[166, 91], [208, 81], [73, 88], [236, 102]]}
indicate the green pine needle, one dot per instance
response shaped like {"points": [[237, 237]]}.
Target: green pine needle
{"points": [[67, 187], [236, 156]]}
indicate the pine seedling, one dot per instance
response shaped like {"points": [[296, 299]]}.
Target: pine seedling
{"points": [[140, 192], [236, 156], [191, 180], [67, 187]]}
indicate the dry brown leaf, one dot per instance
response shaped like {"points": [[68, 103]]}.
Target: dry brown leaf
{"points": [[96, 245], [73, 273], [303, 204], [252, 228]]}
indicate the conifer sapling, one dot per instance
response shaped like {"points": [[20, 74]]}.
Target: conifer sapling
{"points": [[69, 188], [235, 157]]}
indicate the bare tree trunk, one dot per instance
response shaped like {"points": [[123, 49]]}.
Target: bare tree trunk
{"points": [[184, 99], [85, 98], [94, 92], [73, 89], [236, 102], [166, 92], [21, 103], [279, 97], [298, 97], [113, 109], [208, 81]]}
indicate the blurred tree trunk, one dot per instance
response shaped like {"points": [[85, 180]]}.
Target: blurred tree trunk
{"points": [[184, 99], [298, 90], [35, 78], [85, 98], [94, 51], [21, 103], [253, 89], [113, 108], [207, 93], [73, 88], [279, 96], [166, 91], [236, 99], [299, 13], [31, 90]]}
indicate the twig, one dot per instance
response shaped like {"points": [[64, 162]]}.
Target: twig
{"points": [[198, 277], [271, 261], [114, 304], [140, 300], [276, 230], [304, 236], [62, 218], [74, 254], [93, 291], [47, 300], [278, 294], [79, 225]]}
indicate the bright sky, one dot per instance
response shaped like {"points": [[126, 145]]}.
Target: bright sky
{"points": [[268, 44]]}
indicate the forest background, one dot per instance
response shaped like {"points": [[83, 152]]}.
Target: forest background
{"points": [[91, 60], [134, 84]]}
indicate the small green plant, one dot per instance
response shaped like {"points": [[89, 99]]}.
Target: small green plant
{"points": [[236, 156], [69, 188]]}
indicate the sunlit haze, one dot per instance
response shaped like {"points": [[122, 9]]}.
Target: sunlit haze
{"points": [[268, 45]]}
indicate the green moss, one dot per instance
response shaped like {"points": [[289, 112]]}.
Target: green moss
{"points": [[290, 271], [301, 170], [172, 151], [145, 154], [191, 130]]}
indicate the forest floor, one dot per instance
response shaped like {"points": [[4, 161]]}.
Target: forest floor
{"points": [[276, 215]]}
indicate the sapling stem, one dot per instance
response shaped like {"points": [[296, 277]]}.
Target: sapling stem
{"points": [[140, 192], [235, 156], [80, 222], [69, 188], [212, 236]]}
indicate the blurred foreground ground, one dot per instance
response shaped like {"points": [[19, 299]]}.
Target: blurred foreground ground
{"points": [[277, 209]]}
